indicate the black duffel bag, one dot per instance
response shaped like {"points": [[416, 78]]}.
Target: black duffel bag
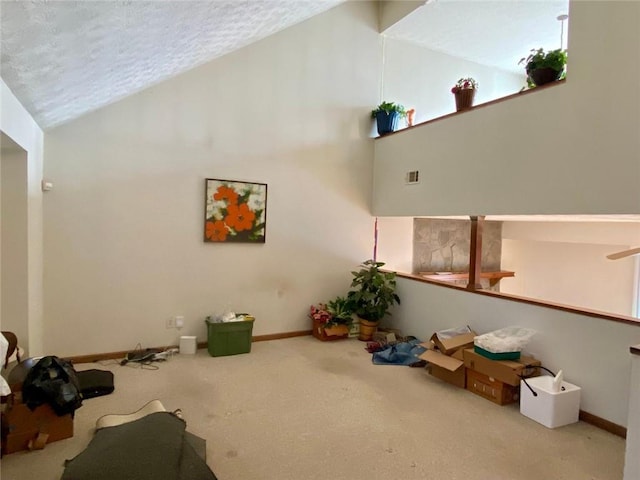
{"points": [[54, 381]]}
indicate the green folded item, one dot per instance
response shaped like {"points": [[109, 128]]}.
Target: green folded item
{"points": [[496, 356]]}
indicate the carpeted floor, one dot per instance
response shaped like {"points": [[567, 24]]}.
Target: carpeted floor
{"points": [[303, 409]]}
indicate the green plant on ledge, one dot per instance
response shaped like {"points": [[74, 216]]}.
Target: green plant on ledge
{"points": [[388, 108], [544, 66], [387, 115]]}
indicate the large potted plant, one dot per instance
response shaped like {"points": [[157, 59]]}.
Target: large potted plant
{"points": [[387, 115], [544, 66], [372, 293]]}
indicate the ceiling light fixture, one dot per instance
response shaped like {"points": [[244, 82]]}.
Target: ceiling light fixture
{"points": [[561, 18]]}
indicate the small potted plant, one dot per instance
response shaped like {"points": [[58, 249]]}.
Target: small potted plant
{"points": [[387, 115], [372, 294], [325, 325], [464, 91], [544, 66], [340, 311]]}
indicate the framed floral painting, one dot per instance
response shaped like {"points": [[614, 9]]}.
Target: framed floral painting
{"points": [[235, 211]]}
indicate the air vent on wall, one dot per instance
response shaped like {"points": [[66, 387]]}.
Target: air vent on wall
{"points": [[412, 177]]}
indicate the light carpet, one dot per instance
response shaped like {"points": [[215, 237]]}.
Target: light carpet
{"points": [[299, 408]]}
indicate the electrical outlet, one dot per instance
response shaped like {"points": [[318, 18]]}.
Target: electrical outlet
{"points": [[170, 323], [179, 321]]}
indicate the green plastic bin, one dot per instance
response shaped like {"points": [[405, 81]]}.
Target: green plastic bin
{"points": [[229, 338], [496, 356]]}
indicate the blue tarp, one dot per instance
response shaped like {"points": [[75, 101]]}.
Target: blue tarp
{"points": [[403, 353]]}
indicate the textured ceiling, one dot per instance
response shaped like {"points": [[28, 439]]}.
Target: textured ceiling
{"points": [[65, 58]]}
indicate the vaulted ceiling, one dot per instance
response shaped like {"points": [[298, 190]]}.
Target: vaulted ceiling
{"points": [[62, 59]]}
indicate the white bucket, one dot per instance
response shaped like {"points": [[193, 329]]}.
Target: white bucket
{"points": [[551, 409], [188, 345]]}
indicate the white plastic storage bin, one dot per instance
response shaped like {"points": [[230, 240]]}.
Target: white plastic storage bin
{"points": [[551, 409], [188, 345]]}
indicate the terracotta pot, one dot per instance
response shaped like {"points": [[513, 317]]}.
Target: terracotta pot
{"points": [[464, 99]]}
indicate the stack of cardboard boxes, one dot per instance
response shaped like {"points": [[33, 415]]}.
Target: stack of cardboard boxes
{"points": [[445, 357], [454, 361]]}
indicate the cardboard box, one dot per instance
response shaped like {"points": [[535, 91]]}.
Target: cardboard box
{"points": [[450, 345], [456, 378], [492, 389], [507, 371], [20, 425], [384, 337], [458, 354], [446, 368]]}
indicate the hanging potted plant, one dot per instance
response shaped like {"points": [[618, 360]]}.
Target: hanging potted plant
{"points": [[464, 91], [372, 294], [387, 115], [544, 66]]}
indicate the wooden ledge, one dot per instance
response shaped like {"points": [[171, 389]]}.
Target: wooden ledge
{"points": [[531, 301], [475, 107], [493, 277], [635, 350]]}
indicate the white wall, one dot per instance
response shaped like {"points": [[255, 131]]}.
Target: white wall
{"points": [[14, 290], [395, 243], [124, 224], [569, 149], [16, 123], [566, 263], [592, 352]]}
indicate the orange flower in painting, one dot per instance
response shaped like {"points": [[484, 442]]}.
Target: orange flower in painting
{"points": [[226, 193], [240, 217], [216, 231]]}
